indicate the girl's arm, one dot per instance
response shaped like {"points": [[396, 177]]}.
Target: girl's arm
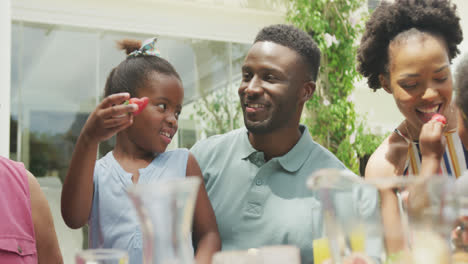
{"points": [[48, 250], [109, 118], [205, 229]]}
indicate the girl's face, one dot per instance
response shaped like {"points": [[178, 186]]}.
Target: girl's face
{"points": [[419, 79], [154, 128]]}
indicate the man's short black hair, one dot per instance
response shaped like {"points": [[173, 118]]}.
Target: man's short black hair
{"points": [[461, 86], [435, 17], [295, 39]]}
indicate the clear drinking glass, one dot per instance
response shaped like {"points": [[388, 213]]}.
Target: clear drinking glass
{"points": [[429, 209], [279, 254], [433, 218], [237, 257], [102, 256], [351, 218], [460, 233], [165, 209]]}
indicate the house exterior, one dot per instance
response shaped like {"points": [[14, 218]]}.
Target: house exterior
{"points": [[61, 51], [55, 56]]}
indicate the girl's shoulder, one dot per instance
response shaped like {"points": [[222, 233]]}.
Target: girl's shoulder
{"points": [[173, 155], [175, 152], [106, 161]]}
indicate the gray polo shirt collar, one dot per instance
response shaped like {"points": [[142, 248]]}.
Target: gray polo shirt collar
{"points": [[291, 161]]}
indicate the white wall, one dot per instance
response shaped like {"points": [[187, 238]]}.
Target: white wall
{"points": [[5, 43], [162, 17]]}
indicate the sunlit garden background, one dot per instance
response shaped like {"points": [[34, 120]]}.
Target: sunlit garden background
{"points": [[62, 51]]}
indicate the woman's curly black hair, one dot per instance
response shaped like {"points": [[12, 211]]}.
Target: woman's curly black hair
{"points": [[437, 17]]}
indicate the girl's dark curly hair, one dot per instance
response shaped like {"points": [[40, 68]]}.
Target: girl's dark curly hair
{"points": [[436, 17], [132, 73]]}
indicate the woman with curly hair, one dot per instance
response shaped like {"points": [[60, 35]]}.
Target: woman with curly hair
{"points": [[407, 49]]}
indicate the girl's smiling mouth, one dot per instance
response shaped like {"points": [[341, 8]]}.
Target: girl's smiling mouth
{"points": [[166, 136]]}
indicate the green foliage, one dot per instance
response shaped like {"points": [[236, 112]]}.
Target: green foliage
{"points": [[336, 26], [218, 112]]}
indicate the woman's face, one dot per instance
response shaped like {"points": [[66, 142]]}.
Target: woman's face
{"points": [[419, 78]]}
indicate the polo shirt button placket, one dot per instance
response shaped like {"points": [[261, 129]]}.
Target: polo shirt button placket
{"points": [[258, 182]]}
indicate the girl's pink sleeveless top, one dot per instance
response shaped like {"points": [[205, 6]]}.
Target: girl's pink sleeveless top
{"points": [[17, 240]]}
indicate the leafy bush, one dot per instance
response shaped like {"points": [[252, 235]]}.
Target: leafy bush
{"points": [[336, 26]]}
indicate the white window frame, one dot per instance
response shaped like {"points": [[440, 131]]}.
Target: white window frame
{"points": [[5, 75], [169, 18]]}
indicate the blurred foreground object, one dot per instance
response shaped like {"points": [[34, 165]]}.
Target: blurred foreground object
{"points": [[264, 255]]}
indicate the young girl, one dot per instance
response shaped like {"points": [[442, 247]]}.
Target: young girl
{"points": [[407, 49], [95, 192]]}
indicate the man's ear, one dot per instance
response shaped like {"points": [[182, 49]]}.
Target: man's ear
{"points": [[308, 90], [385, 83]]}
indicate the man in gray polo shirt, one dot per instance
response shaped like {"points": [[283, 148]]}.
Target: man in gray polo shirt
{"points": [[256, 176]]}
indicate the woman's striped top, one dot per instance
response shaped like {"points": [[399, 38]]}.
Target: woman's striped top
{"points": [[454, 161]]}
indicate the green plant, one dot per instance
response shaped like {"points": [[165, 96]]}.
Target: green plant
{"points": [[218, 112], [335, 25]]}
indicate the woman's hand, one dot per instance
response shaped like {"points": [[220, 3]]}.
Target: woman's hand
{"points": [[432, 144], [431, 140]]}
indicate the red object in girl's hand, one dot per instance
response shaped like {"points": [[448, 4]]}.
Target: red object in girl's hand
{"points": [[141, 102], [439, 118]]}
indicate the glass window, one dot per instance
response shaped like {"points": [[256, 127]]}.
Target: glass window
{"points": [[263, 5], [187, 138], [58, 76], [53, 86], [239, 51], [202, 64]]}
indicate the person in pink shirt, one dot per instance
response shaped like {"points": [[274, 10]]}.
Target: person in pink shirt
{"points": [[27, 233]]}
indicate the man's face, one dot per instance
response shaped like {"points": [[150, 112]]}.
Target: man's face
{"points": [[273, 77]]}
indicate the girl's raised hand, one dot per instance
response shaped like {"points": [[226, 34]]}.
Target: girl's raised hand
{"points": [[109, 117]]}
